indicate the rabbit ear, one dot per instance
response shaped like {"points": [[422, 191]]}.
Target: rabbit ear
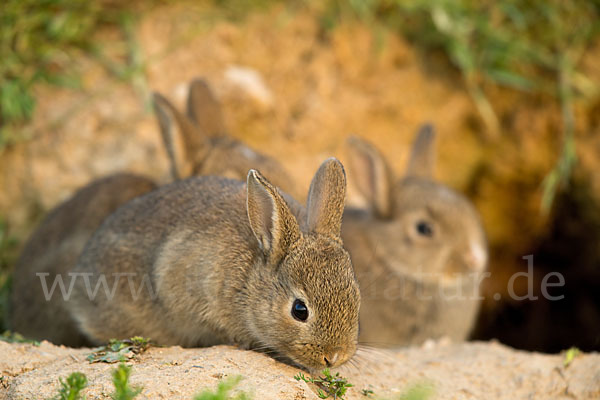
{"points": [[373, 176], [326, 197], [422, 156], [270, 218], [178, 136], [204, 109]]}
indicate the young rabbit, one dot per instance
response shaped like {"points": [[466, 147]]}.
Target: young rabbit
{"points": [[198, 143], [57, 243], [209, 260], [419, 253], [53, 250]]}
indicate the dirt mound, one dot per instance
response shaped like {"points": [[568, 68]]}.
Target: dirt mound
{"points": [[455, 371]]}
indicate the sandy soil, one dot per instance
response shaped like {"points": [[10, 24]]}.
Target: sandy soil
{"points": [[456, 371]]}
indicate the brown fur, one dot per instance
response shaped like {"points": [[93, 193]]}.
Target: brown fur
{"points": [[226, 261], [198, 143], [59, 240], [402, 272], [54, 248]]}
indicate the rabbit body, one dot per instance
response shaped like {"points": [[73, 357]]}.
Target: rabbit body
{"points": [[57, 243], [211, 260], [53, 249]]}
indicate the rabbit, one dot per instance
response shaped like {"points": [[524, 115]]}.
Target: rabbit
{"points": [[210, 260], [59, 240], [419, 252], [198, 144], [54, 248]]}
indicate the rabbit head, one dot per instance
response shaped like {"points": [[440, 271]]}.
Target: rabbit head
{"points": [[423, 225], [197, 143], [306, 298]]}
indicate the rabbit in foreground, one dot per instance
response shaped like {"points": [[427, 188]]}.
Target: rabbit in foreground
{"points": [[198, 144], [56, 244], [53, 250], [419, 253], [210, 260]]}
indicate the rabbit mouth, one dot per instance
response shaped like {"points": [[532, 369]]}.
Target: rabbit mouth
{"points": [[450, 273], [299, 360], [313, 358]]}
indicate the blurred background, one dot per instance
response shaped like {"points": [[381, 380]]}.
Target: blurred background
{"points": [[512, 86]]}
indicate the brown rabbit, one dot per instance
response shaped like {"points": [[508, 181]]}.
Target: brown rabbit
{"points": [[198, 143], [210, 260], [53, 250], [419, 252], [57, 243]]}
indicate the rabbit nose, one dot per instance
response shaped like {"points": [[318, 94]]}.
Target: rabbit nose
{"points": [[331, 358], [476, 258]]}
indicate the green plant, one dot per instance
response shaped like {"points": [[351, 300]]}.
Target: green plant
{"points": [[39, 42], [223, 391], [421, 391], [533, 46], [367, 392], [570, 355], [70, 388], [123, 391], [237, 10], [334, 386], [119, 350], [14, 337]]}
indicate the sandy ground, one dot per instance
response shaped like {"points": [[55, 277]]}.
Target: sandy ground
{"points": [[475, 370]]}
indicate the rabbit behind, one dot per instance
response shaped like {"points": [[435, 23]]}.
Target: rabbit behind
{"points": [[419, 252], [198, 144], [53, 249], [210, 260]]}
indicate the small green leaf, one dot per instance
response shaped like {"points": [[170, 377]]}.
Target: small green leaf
{"points": [[123, 391], [70, 388], [509, 78], [421, 391], [570, 355], [14, 337], [119, 350], [223, 391], [367, 392]]}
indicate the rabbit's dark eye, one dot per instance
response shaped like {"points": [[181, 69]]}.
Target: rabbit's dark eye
{"points": [[299, 310], [424, 229]]}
